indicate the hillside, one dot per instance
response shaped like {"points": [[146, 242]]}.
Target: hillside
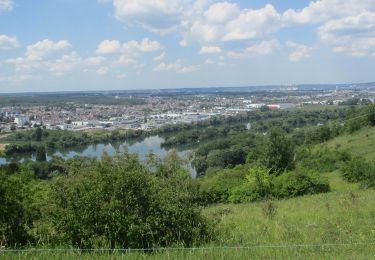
{"points": [[361, 143], [337, 224]]}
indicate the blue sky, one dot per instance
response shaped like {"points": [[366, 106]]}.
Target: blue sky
{"points": [[136, 44]]}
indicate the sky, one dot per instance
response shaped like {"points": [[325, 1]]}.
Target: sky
{"points": [[71, 45]]}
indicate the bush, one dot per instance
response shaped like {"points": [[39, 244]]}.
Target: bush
{"points": [[14, 217], [359, 170], [257, 186], [119, 203], [216, 188], [299, 182]]}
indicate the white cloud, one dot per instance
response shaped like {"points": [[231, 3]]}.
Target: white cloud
{"points": [[222, 12], [261, 49], [227, 22], [299, 52], [156, 15], [126, 60], [42, 49], [6, 5], [130, 47], [146, 45], [65, 64], [324, 10], [24, 65], [176, 67], [352, 35], [8, 42], [210, 50], [94, 61], [102, 71], [108, 47], [159, 57]]}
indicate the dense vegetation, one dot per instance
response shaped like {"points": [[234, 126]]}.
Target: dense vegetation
{"points": [[121, 202], [61, 99]]}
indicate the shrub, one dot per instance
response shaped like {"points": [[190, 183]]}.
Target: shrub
{"points": [[257, 186], [299, 182], [119, 203], [216, 188], [359, 170], [14, 217]]}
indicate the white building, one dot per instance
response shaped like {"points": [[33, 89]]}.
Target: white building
{"points": [[20, 121]]}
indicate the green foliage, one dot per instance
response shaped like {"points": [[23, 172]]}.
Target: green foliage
{"points": [[279, 152], [119, 203], [371, 115], [322, 159], [359, 170], [14, 217], [38, 134], [257, 186], [217, 188], [299, 182], [41, 155]]}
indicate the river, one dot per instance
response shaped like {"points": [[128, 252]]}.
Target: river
{"points": [[141, 147]]}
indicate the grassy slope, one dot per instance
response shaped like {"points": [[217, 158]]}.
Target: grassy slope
{"points": [[339, 224], [361, 143]]}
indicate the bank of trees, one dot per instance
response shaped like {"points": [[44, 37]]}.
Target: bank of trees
{"points": [[111, 203]]}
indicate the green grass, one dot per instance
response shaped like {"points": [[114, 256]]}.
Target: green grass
{"points": [[361, 143], [338, 184], [340, 224]]}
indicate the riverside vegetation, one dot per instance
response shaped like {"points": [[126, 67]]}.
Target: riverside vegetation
{"points": [[307, 190]]}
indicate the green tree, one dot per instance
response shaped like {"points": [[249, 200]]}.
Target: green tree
{"points": [[371, 115], [41, 154], [38, 134], [279, 152], [14, 218], [119, 203]]}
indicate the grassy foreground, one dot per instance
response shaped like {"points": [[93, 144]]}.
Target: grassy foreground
{"points": [[339, 224]]}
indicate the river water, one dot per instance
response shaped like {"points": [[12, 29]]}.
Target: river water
{"points": [[141, 147]]}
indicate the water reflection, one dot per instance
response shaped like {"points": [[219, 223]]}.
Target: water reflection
{"points": [[141, 147]]}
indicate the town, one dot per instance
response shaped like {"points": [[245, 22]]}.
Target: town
{"points": [[156, 110]]}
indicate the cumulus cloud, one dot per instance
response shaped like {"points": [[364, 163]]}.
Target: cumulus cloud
{"points": [[156, 15], [42, 49], [221, 24], [352, 35], [146, 45], [114, 46], [176, 67], [94, 61], [6, 5], [299, 51], [325, 10], [261, 49], [108, 47], [65, 64], [8, 42], [210, 50]]}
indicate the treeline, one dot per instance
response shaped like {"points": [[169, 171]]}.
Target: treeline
{"points": [[29, 141], [61, 100]]}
